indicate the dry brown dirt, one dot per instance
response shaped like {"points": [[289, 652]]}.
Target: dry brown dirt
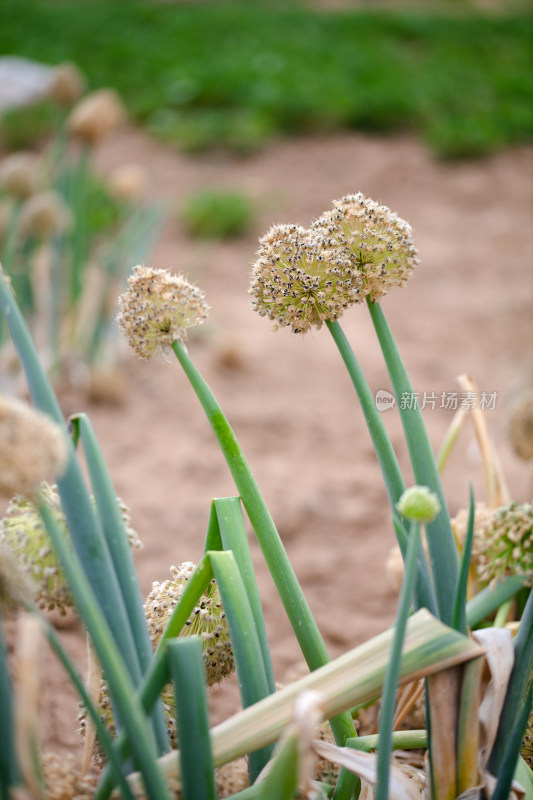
{"points": [[288, 397]]}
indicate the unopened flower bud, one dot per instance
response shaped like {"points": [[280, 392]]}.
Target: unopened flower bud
{"points": [[419, 504]]}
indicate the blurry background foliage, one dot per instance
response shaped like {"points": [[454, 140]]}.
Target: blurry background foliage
{"points": [[217, 213], [232, 74]]}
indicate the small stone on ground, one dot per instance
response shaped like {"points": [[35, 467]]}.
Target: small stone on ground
{"points": [[22, 81]]}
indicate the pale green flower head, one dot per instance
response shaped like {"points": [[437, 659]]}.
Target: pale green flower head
{"points": [[503, 544], [419, 504], [22, 531]]}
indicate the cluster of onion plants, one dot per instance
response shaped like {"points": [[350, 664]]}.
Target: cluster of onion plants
{"points": [[468, 634], [68, 238]]}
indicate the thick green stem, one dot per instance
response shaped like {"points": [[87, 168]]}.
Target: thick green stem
{"points": [[441, 545], [292, 597], [386, 456], [401, 740], [390, 684], [459, 608], [394, 483]]}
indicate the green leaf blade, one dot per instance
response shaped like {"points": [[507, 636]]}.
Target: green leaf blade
{"points": [[186, 667]]}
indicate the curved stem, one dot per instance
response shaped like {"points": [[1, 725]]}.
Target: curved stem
{"points": [[394, 483], [290, 591], [441, 545]]}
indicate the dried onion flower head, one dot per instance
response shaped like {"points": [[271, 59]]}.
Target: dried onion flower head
{"points": [[67, 85], [157, 308], [207, 620], [521, 425], [300, 279], [127, 182], [32, 448], [482, 514], [378, 242], [419, 504], [19, 175], [504, 544], [65, 781], [97, 115], [44, 215], [105, 710], [23, 532]]}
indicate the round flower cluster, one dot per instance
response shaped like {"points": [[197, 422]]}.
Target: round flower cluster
{"points": [[44, 215], [64, 779], [96, 115], [32, 448], [157, 309], [379, 242], [19, 175], [503, 541], [506, 544], [300, 279], [23, 532], [207, 620], [358, 249], [67, 84]]}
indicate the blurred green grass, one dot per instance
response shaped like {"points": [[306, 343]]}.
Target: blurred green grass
{"points": [[233, 74]]}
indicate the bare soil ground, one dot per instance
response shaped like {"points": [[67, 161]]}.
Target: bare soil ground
{"points": [[467, 309]]}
